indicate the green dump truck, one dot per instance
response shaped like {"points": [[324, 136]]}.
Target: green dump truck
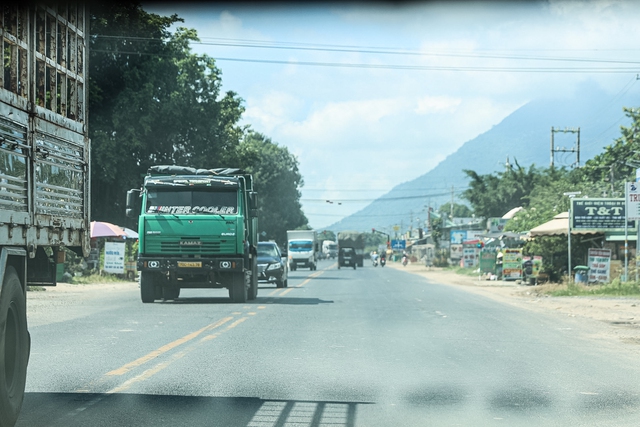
{"points": [[197, 229]]}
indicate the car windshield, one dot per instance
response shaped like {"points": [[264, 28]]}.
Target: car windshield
{"points": [[300, 245], [267, 251], [201, 201], [192, 193]]}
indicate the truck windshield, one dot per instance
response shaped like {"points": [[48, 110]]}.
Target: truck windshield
{"points": [[192, 201], [300, 245]]}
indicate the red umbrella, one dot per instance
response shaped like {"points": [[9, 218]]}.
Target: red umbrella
{"points": [[106, 229]]}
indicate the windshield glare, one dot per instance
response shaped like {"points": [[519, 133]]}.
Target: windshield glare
{"points": [[300, 245], [205, 201], [267, 251]]}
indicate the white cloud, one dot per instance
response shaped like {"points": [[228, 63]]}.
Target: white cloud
{"points": [[437, 104]]}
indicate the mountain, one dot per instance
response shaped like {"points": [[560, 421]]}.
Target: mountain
{"points": [[523, 137]]}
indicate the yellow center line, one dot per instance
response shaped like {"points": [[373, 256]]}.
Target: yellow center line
{"points": [[165, 348], [160, 366]]}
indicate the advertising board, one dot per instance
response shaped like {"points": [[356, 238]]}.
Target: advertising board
{"points": [[598, 214], [114, 257], [512, 264], [599, 265]]}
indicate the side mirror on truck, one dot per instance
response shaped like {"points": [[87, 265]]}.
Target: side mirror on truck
{"points": [[253, 204], [133, 203]]}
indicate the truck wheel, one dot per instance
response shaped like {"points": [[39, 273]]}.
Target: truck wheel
{"points": [[170, 292], [148, 287], [238, 288], [14, 348], [253, 289]]}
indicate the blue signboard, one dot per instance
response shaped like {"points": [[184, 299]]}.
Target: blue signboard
{"points": [[398, 244]]}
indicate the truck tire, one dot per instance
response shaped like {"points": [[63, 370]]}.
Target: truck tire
{"points": [[253, 288], [238, 288], [170, 292], [14, 348], [148, 287]]}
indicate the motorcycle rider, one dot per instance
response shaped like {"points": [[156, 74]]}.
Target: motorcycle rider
{"points": [[374, 258], [405, 258]]}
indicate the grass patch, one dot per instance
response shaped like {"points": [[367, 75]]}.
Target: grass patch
{"points": [[615, 288], [36, 288], [96, 278], [465, 271]]}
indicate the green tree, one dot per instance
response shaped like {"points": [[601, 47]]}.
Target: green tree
{"points": [[151, 102], [277, 180], [459, 210], [493, 195], [618, 162]]}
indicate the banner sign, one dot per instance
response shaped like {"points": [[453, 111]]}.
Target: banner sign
{"points": [[496, 225], [488, 261], [512, 264], [599, 265], [470, 256], [458, 236], [456, 251], [114, 257], [598, 214], [633, 200]]}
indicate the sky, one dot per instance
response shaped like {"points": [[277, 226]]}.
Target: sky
{"points": [[368, 96]]}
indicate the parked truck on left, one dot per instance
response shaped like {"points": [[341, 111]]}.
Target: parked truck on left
{"points": [[44, 168]]}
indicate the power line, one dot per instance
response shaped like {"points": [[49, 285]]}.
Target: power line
{"points": [[259, 44], [382, 199]]}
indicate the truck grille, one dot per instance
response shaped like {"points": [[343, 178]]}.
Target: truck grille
{"points": [[189, 245]]}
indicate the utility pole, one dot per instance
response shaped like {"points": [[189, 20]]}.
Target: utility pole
{"points": [[575, 149], [452, 203]]}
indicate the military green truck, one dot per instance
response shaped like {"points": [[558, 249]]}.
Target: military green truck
{"points": [[197, 229]]}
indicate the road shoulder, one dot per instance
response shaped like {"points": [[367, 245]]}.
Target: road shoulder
{"points": [[619, 316]]}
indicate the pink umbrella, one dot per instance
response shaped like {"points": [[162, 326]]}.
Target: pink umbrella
{"points": [[106, 229]]}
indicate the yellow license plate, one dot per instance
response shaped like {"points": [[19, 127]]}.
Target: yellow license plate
{"points": [[190, 264]]}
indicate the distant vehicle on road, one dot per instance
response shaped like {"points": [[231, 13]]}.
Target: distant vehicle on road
{"points": [[302, 246], [347, 258], [330, 249], [355, 241], [272, 267]]}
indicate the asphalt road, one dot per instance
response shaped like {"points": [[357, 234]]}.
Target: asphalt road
{"points": [[366, 347]]}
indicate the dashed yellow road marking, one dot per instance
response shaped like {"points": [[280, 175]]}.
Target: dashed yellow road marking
{"points": [[165, 348], [162, 365]]}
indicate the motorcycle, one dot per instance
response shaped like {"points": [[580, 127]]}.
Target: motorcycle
{"points": [[375, 262], [405, 259], [383, 261]]}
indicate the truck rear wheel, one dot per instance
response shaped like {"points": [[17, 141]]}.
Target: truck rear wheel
{"points": [[148, 287], [253, 289], [170, 292], [238, 288], [14, 348]]}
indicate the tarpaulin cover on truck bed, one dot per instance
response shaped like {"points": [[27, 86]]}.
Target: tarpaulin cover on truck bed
{"points": [[186, 170]]}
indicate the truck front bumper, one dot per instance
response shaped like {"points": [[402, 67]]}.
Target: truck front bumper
{"points": [[190, 265]]}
